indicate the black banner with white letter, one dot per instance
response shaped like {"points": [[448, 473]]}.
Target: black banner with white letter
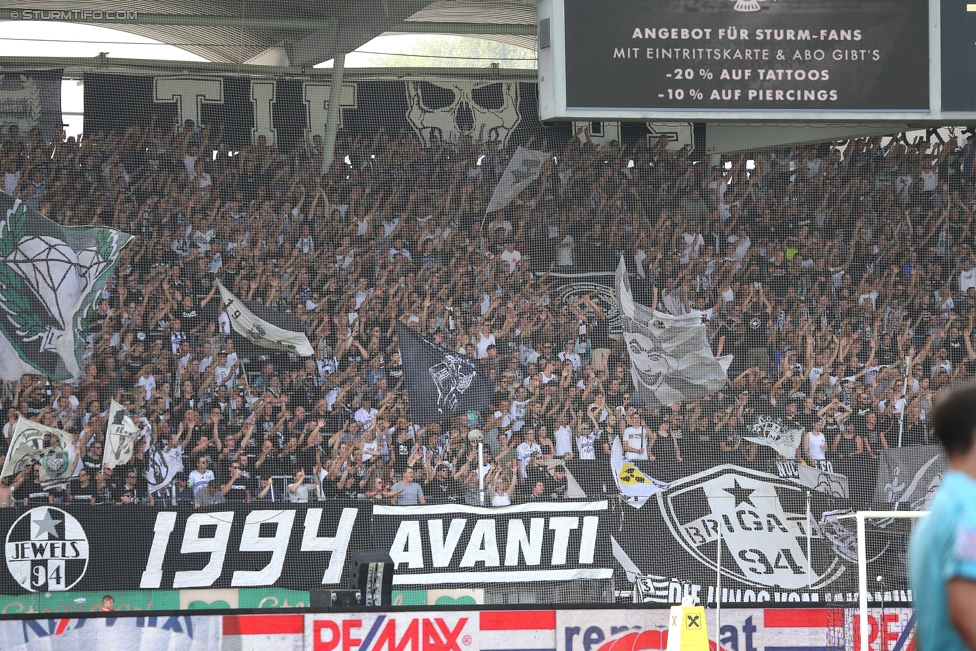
{"points": [[285, 112], [540, 541], [656, 554], [766, 554], [75, 547]]}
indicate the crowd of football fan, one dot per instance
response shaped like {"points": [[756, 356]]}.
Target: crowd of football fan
{"points": [[820, 268]]}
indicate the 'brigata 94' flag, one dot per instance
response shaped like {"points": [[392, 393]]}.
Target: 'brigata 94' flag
{"points": [[51, 277], [441, 384], [260, 331]]}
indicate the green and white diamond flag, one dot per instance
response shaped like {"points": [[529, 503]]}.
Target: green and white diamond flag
{"points": [[51, 279]]}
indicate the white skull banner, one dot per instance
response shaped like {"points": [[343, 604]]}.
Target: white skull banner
{"points": [[446, 110]]}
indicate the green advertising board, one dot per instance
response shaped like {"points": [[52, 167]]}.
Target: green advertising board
{"points": [[127, 600]]}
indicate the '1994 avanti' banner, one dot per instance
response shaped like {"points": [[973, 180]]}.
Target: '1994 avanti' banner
{"points": [[658, 553]]}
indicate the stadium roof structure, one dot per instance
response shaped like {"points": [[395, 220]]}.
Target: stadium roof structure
{"points": [[293, 34]]}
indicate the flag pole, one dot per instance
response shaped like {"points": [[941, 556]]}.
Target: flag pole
{"points": [[481, 475], [718, 587], [904, 397], [809, 557]]}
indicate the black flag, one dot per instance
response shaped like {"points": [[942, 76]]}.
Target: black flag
{"points": [[441, 384]]}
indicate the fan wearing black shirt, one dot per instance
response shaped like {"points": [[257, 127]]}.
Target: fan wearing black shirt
{"points": [[536, 419], [238, 485], [558, 486], [721, 337], [92, 461], [8, 488], [808, 415], [315, 452], [345, 488], [405, 444], [103, 493], [31, 492], [268, 463], [534, 473], [115, 482], [538, 493], [755, 340], [139, 494], [442, 489]]}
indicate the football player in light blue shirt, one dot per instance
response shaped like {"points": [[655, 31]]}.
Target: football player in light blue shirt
{"points": [[942, 554]]}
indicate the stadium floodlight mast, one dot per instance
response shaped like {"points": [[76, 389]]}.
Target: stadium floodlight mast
{"points": [[862, 564]]}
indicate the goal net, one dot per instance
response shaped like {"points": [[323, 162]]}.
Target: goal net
{"points": [[882, 578]]}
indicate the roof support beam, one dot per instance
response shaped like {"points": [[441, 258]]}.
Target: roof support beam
{"points": [[509, 29], [76, 67], [350, 28], [123, 18], [332, 121]]}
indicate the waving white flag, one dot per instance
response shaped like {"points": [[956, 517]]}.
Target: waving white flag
{"points": [[260, 331], [780, 435], [121, 436], [670, 358], [32, 443], [521, 171], [633, 484]]}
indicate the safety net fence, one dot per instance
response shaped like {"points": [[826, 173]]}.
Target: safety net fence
{"points": [[550, 363]]}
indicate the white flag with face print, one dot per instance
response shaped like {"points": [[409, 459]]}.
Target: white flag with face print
{"points": [[670, 357]]}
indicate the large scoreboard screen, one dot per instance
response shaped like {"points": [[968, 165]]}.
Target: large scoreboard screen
{"points": [[765, 59]]}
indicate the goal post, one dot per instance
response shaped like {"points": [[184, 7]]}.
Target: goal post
{"points": [[862, 563]]}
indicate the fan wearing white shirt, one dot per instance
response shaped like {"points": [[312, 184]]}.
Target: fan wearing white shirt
{"points": [[563, 436], [570, 354], [366, 412], [511, 256], [147, 381], [525, 449], [201, 475], [635, 439], [967, 274], [585, 444], [224, 371]]}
